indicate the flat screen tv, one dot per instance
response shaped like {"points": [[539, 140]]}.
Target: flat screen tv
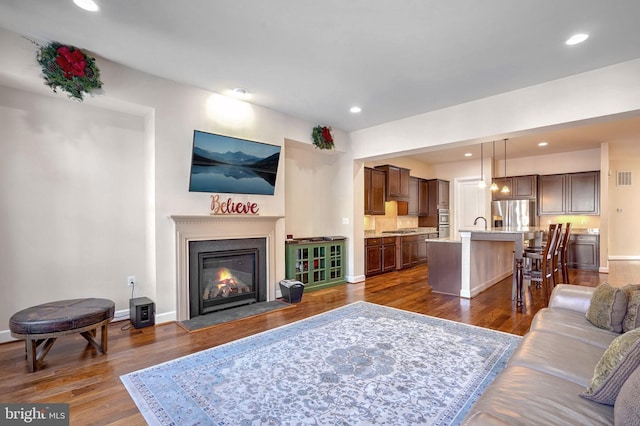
{"points": [[231, 165]]}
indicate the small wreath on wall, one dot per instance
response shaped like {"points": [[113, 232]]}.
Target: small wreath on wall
{"points": [[322, 137], [69, 69]]}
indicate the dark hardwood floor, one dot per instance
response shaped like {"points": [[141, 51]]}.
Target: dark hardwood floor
{"points": [[90, 382]]}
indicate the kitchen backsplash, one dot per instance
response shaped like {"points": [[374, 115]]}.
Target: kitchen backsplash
{"points": [[390, 221], [576, 221]]}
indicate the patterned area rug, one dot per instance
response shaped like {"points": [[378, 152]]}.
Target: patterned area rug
{"points": [[359, 364]]}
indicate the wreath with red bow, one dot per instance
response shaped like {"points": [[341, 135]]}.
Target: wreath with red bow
{"points": [[322, 137], [69, 69]]}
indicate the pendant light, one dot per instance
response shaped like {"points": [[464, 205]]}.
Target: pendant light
{"points": [[482, 183], [494, 185], [505, 189]]}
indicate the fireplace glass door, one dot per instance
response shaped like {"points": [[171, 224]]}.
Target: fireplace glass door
{"points": [[227, 279]]}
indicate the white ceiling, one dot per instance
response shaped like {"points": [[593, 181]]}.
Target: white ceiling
{"points": [[316, 59]]}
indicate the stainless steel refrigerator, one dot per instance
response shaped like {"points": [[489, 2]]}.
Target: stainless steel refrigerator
{"points": [[514, 213]]}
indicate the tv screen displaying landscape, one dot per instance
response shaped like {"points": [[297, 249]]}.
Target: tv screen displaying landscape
{"points": [[231, 165]]}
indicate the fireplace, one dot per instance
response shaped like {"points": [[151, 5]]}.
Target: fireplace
{"points": [[226, 273]]}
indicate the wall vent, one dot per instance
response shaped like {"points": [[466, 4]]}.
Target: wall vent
{"points": [[623, 179]]}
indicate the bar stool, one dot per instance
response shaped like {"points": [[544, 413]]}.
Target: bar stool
{"points": [[543, 264], [563, 249]]}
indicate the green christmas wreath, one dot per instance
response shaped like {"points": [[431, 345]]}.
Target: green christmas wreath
{"points": [[69, 69], [322, 137]]}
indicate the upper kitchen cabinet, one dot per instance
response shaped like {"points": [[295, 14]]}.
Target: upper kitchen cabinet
{"points": [[418, 197], [438, 192], [414, 195], [502, 182], [397, 182], [583, 193], [521, 188], [374, 187], [571, 193]]}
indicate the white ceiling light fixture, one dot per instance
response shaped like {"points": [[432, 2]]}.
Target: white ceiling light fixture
{"points": [[88, 5], [240, 93], [468, 154], [543, 143], [355, 109], [576, 39]]}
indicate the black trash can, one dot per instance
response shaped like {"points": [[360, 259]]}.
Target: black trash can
{"points": [[291, 290]]}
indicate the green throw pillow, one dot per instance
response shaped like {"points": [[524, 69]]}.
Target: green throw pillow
{"points": [[632, 317], [616, 365], [626, 410], [608, 307]]}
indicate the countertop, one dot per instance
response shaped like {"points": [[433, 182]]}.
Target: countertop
{"points": [[444, 240], [312, 240], [577, 231], [401, 232], [504, 230]]}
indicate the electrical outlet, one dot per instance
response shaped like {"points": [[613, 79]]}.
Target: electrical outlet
{"points": [[131, 280]]}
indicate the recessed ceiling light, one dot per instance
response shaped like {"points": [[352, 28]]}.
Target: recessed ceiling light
{"points": [[89, 5], [355, 109], [468, 154], [240, 93], [543, 143], [576, 39]]}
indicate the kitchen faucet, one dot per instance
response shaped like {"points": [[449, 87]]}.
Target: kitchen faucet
{"points": [[475, 222]]}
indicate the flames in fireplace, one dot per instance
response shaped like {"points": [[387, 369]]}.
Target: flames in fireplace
{"points": [[224, 284]]}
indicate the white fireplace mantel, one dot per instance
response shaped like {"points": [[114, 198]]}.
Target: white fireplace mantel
{"points": [[215, 227]]}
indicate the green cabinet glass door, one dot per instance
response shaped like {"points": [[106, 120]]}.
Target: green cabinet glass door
{"points": [[316, 265]]}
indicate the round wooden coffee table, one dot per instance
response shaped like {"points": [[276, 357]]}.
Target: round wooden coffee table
{"points": [[41, 325]]}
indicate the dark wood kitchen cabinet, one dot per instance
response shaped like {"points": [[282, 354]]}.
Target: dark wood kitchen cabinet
{"points": [[418, 197], [583, 252], [423, 197], [438, 192], [413, 251], [570, 193], [397, 182], [583, 193], [520, 188], [552, 194], [380, 255], [374, 195], [414, 195], [501, 182]]}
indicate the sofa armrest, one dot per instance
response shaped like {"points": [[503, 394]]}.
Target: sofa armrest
{"points": [[572, 297]]}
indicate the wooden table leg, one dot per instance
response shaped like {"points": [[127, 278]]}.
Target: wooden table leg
{"points": [[105, 337], [31, 355], [89, 335], [34, 356]]}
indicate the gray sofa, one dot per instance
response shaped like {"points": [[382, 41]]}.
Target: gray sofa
{"points": [[552, 365]]}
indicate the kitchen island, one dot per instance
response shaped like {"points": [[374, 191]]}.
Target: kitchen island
{"points": [[478, 260]]}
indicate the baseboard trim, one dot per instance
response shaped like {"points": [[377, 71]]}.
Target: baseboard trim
{"points": [[5, 336], [624, 257], [355, 278]]}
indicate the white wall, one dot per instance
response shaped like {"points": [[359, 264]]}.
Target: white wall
{"points": [[73, 212], [143, 126], [624, 202]]}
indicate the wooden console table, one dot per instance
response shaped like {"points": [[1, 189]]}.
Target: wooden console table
{"points": [[41, 325]]}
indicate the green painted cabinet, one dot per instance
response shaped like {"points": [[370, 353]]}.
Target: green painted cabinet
{"points": [[316, 262]]}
